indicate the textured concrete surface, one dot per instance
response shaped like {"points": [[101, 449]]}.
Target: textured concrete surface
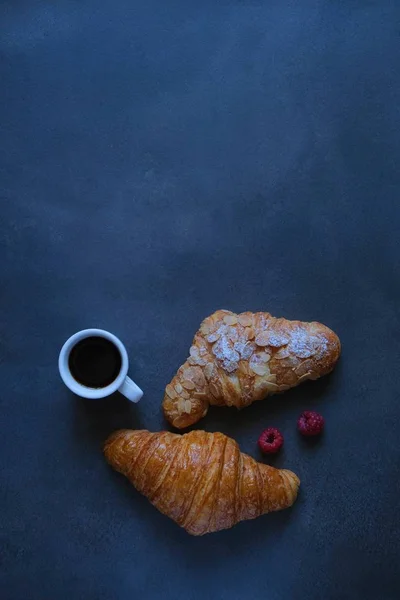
{"points": [[161, 160]]}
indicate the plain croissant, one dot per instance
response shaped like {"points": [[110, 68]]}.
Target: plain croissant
{"points": [[200, 480], [238, 359]]}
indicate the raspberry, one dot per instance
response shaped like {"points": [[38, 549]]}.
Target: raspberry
{"points": [[270, 441], [310, 423]]}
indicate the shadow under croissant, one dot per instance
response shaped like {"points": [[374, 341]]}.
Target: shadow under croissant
{"points": [[217, 546], [97, 419], [239, 424]]}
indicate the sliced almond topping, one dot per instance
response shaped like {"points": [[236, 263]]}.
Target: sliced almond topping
{"points": [[271, 387], [170, 391], [189, 373], [238, 346], [250, 333], [247, 350], [178, 388], [282, 353], [214, 390], [216, 319], [245, 320], [194, 352], [229, 365], [189, 385], [213, 337], [212, 326], [233, 334], [271, 338], [230, 319], [260, 369], [208, 370], [188, 407], [198, 378], [221, 347], [185, 394], [264, 356], [262, 338], [305, 376], [200, 362], [291, 361], [276, 340], [181, 406], [205, 328], [304, 352], [196, 360]]}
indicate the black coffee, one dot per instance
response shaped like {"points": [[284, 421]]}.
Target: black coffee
{"points": [[95, 362]]}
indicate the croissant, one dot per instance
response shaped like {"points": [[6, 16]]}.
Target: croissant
{"points": [[200, 480], [238, 359]]}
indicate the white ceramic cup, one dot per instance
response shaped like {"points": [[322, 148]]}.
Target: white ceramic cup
{"points": [[122, 383]]}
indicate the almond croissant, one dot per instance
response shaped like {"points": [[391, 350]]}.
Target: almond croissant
{"points": [[238, 359], [200, 480]]}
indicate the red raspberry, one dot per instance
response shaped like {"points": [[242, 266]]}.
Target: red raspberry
{"points": [[270, 441], [310, 423]]}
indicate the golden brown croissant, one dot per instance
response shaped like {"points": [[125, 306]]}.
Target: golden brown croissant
{"points": [[200, 480], [238, 359]]}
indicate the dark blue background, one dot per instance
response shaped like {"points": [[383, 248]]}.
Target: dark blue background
{"points": [[161, 160]]}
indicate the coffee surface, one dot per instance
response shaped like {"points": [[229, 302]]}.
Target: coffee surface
{"points": [[95, 362]]}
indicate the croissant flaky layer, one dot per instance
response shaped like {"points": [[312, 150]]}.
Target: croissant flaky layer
{"points": [[236, 359], [200, 480]]}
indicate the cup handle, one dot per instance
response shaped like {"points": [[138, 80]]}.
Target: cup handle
{"points": [[130, 390]]}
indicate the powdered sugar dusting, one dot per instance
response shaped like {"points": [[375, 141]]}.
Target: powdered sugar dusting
{"points": [[226, 349], [277, 339], [304, 345], [230, 343], [245, 349]]}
